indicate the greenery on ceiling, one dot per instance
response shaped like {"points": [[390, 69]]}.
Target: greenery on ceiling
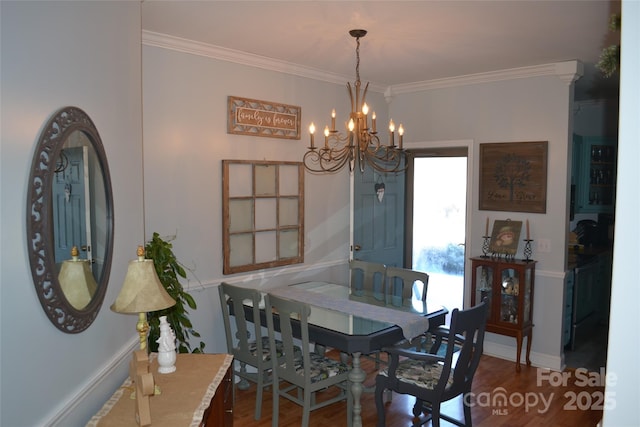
{"points": [[609, 62]]}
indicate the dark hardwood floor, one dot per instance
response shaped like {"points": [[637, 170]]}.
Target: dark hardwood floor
{"points": [[529, 398]]}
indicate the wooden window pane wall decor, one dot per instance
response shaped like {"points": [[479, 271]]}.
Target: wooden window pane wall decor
{"points": [[263, 214]]}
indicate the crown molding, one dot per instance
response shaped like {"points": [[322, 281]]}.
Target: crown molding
{"points": [[164, 41], [568, 71]]}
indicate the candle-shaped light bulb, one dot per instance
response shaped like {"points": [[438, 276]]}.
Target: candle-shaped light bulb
{"points": [[351, 125], [373, 122], [312, 130], [392, 127], [363, 121], [400, 132], [333, 119], [326, 137]]}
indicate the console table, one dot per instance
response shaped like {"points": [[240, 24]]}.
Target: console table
{"points": [[199, 393]]}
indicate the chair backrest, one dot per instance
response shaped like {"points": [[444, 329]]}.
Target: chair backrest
{"points": [[401, 282], [290, 316], [469, 324], [367, 276], [238, 345]]}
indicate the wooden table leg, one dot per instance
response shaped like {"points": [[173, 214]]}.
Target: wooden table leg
{"points": [[518, 350], [529, 336], [357, 377]]}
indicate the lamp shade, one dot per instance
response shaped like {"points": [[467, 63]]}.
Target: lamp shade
{"points": [[142, 291], [77, 281]]}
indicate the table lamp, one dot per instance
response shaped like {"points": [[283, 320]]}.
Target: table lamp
{"points": [[77, 281], [142, 292]]}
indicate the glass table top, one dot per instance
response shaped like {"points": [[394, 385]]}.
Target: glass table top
{"points": [[358, 325]]}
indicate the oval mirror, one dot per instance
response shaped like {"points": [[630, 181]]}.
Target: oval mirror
{"points": [[70, 220]]}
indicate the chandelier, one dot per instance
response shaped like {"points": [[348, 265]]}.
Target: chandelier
{"points": [[360, 144]]}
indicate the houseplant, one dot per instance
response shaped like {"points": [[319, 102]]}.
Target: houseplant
{"points": [[169, 269], [609, 61]]}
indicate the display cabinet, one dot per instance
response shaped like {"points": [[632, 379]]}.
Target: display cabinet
{"points": [[507, 287], [594, 174]]}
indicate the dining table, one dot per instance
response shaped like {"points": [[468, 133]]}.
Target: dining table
{"points": [[358, 322]]}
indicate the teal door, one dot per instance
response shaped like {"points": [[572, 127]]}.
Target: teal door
{"points": [[378, 216], [70, 207]]}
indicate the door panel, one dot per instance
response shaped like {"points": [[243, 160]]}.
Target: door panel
{"points": [[70, 201], [378, 224]]}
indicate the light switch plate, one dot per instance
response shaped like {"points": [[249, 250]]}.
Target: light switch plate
{"points": [[544, 246]]}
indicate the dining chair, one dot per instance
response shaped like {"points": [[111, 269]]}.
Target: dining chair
{"points": [[367, 276], [435, 379], [301, 371], [249, 346], [404, 282]]}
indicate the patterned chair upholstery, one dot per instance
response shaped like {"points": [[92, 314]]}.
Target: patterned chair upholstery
{"points": [[435, 379], [303, 376]]}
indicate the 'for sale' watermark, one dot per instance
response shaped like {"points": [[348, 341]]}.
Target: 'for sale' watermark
{"points": [[500, 400]]}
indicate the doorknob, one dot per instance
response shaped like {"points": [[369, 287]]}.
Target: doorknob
{"points": [[356, 247]]}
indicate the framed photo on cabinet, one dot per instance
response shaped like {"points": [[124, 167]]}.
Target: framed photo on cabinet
{"points": [[505, 237]]}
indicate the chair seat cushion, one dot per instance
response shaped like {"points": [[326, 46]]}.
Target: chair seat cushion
{"points": [[421, 373], [321, 367], [266, 349]]}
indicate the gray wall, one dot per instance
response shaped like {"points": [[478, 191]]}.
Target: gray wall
{"points": [[463, 113], [186, 139], [69, 53], [56, 54]]}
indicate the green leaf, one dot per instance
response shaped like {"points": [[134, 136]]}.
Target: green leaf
{"points": [[190, 301], [169, 269]]}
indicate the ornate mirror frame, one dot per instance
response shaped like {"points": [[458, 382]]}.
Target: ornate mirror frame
{"points": [[40, 226]]}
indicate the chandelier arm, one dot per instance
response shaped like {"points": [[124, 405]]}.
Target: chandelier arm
{"points": [[386, 165], [364, 94], [330, 166], [329, 159], [354, 108]]}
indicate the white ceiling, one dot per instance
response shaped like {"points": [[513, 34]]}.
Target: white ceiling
{"points": [[407, 41]]}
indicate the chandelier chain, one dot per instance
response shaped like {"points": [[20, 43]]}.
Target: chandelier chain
{"points": [[358, 59]]}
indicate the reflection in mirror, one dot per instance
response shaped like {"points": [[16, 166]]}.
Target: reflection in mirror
{"points": [[77, 281], [78, 199], [70, 220]]}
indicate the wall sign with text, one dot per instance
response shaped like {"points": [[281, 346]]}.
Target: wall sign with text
{"points": [[262, 118], [513, 176]]}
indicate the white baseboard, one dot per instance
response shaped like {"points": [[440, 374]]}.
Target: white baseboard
{"points": [[110, 376], [540, 360]]}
